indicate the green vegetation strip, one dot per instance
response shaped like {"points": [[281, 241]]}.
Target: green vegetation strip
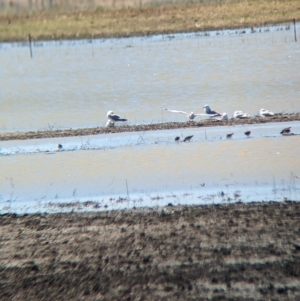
{"points": [[141, 21], [145, 127]]}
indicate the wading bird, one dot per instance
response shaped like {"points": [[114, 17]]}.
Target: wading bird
{"points": [[265, 113], [286, 131], [191, 115], [247, 133], [113, 117], [188, 138], [210, 112]]}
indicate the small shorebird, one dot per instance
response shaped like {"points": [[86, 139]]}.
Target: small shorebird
{"points": [[286, 131], [188, 138], [210, 112], [59, 146], [265, 113], [229, 136], [177, 139], [248, 133]]}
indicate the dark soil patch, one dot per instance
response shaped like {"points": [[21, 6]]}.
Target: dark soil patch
{"points": [[146, 127], [216, 252]]}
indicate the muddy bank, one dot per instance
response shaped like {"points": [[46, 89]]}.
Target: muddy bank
{"points": [[145, 127], [217, 252]]}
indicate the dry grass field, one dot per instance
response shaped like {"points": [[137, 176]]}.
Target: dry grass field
{"points": [[217, 252], [110, 21]]}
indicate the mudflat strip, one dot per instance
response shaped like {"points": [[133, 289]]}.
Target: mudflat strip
{"points": [[145, 127], [216, 252]]}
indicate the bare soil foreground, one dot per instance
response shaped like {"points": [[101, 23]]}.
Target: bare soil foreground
{"points": [[145, 127], [216, 252]]}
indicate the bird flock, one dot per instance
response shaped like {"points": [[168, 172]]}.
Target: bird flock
{"points": [[112, 118]]}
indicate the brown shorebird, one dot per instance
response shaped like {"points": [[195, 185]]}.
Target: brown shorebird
{"points": [[229, 136], [177, 139], [188, 138], [247, 133], [59, 146], [286, 131]]}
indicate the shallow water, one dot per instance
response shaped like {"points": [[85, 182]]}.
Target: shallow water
{"points": [[152, 170], [73, 84]]}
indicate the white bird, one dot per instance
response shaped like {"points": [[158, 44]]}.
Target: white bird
{"points": [[265, 113], [241, 115], [113, 117], [209, 111], [191, 115], [224, 116], [109, 124]]}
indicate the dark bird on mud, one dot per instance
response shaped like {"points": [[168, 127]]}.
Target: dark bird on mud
{"points": [[286, 131], [59, 146], [247, 133], [229, 136], [209, 111], [113, 117], [188, 138], [177, 139]]}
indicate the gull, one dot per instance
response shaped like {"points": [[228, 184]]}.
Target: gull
{"points": [[286, 131], [265, 113], [224, 116], [248, 133], [191, 115], [208, 111], [109, 124], [241, 115], [113, 117], [229, 136], [188, 138]]}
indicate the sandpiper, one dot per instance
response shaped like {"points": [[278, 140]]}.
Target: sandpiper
{"points": [[188, 138], [248, 133], [286, 131]]}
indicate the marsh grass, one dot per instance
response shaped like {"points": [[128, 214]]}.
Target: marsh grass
{"points": [[137, 20]]}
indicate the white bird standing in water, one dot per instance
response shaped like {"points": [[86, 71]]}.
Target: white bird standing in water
{"points": [[265, 113], [210, 112], [113, 117], [191, 115]]}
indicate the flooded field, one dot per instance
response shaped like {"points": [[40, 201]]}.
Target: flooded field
{"points": [[72, 84], [128, 170]]}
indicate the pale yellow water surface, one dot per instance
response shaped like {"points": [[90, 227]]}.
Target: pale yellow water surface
{"points": [[157, 171], [71, 84]]}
